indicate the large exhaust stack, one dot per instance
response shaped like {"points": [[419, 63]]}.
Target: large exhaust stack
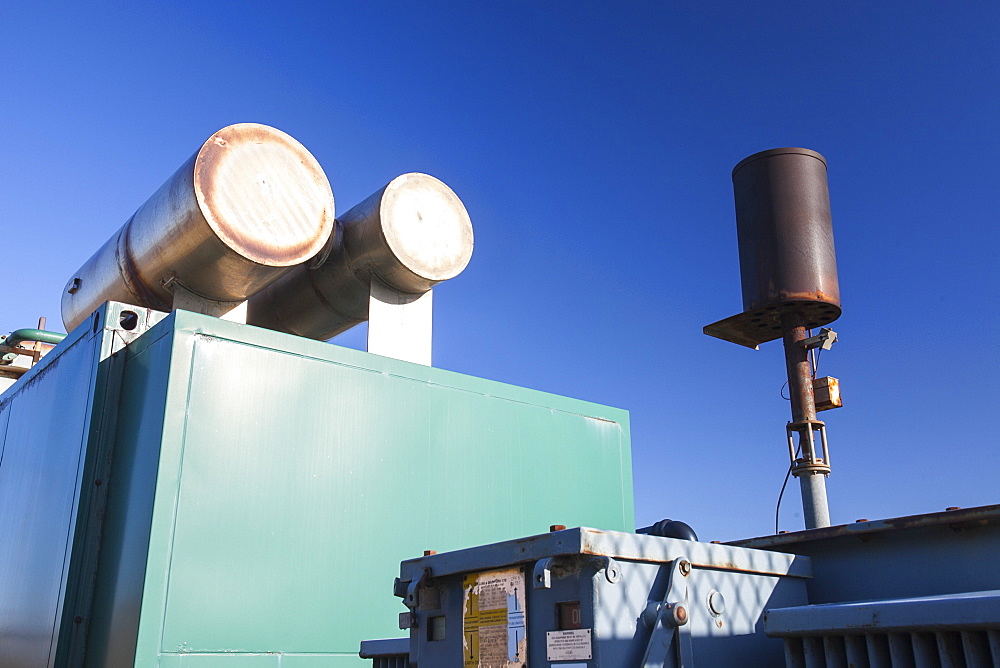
{"points": [[249, 205], [789, 276]]}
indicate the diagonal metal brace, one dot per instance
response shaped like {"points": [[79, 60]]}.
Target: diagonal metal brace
{"points": [[670, 640]]}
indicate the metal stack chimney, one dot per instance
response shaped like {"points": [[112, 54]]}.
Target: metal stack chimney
{"points": [[789, 276]]}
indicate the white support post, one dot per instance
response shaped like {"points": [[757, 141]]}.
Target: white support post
{"points": [[399, 323], [188, 301]]}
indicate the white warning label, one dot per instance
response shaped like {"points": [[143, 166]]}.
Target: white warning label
{"points": [[567, 645]]}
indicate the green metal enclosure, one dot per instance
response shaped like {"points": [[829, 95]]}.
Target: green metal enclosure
{"points": [[229, 495]]}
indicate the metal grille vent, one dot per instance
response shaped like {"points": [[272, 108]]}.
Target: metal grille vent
{"points": [[399, 661], [929, 631], [387, 653], [944, 649]]}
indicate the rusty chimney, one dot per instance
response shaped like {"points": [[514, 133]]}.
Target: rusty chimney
{"points": [[789, 276]]}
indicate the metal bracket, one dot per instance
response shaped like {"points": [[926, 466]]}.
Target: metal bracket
{"points": [[670, 640], [541, 577], [411, 619], [191, 301], [407, 620], [612, 571], [126, 322], [825, 340], [412, 599]]}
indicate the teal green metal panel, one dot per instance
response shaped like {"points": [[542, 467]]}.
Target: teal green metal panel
{"points": [[294, 476], [41, 473], [122, 568], [59, 428]]}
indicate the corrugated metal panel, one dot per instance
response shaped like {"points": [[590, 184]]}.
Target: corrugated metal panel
{"points": [[973, 649], [935, 631]]}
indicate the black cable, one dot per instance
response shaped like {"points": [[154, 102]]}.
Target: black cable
{"points": [[781, 494], [777, 508]]}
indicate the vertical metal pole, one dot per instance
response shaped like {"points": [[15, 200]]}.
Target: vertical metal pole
{"points": [[815, 508]]}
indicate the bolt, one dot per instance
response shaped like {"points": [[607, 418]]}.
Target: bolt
{"points": [[952, 508], [680, 615], [859, 521], [428, 553], [557, 527], [685, 567]]}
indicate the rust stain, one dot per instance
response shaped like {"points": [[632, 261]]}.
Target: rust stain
{"points": [[299, 241]]}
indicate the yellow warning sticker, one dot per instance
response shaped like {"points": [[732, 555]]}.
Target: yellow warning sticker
{"points": [[493, 620]]}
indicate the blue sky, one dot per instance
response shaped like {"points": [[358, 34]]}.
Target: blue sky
{"points": [[592, 145]]}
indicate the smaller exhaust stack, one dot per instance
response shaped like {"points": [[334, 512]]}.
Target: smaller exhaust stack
{"points": [[248, 206], [407, 237], [789, 275]]}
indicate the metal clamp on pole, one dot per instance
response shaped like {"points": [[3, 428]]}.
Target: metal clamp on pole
{"points": [[808, 461]]}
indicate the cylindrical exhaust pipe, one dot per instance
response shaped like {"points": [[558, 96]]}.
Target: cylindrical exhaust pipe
{"points": [[248, 206], [785, 231], [411, 235]]}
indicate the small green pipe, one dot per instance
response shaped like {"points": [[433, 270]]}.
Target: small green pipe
{"points": [[21, 335], [8, 344]]}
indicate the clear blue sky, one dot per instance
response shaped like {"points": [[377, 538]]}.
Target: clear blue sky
{"points": [[592, 144]]}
